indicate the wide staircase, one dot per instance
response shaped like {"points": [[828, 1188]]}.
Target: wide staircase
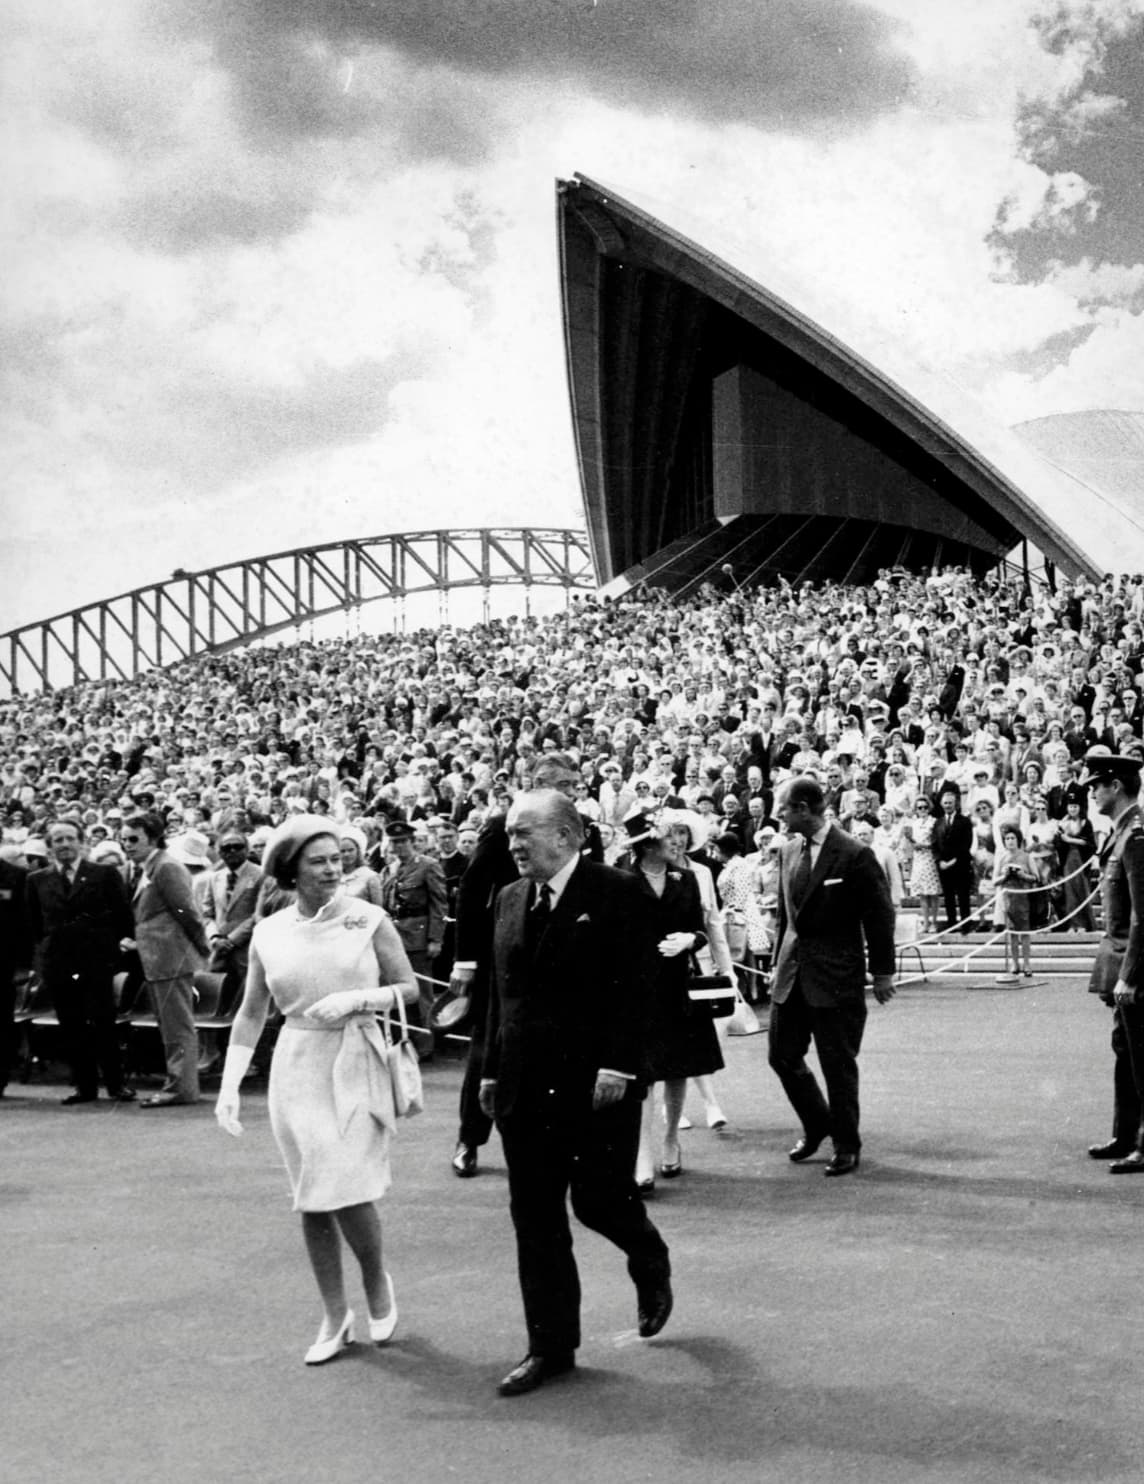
{"points": [[978, 957]]}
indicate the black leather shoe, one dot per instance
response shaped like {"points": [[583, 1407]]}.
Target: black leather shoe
{"points": [[165, 1100], [805, 1147], [78, 1097], [465, 1161], [1114, 1149], [645, 1189], [1131, 1164], [845, 1161], [654, 1305], [534, 1370]]}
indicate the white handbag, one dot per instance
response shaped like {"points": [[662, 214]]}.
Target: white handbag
{"points": [[404, 1067]]}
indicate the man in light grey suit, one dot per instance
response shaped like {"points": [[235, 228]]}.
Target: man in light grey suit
{"points": [[230, 902], [834, 910], [172, 944]]}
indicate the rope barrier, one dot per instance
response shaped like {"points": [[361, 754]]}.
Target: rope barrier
{"points": [[950, 966], [989, 902]]}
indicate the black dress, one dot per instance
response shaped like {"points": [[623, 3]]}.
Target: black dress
{"points": [[681, 1040]]}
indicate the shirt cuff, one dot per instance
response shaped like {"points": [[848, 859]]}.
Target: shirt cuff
{"points": [[465, 963], [611, 1072], [488, 1082]]}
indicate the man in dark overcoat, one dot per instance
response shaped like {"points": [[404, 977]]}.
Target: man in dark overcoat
{"points": [[563, 1075]]}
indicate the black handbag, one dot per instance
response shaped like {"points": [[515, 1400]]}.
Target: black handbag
{"points": [[711, 995]]}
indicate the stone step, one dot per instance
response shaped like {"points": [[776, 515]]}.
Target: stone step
{"points": [[1052, 956]]}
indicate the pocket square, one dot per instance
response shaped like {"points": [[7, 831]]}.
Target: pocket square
{"points": [[583, 917], [833, 881]]}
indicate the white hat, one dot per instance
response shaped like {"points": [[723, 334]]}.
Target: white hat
{"points": [[191, 848]]}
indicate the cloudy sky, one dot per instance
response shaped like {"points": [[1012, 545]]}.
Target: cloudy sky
{"points": [[284, 271]]}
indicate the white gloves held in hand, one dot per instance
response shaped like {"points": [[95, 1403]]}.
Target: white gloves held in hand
{"points": [[676, 943], [346, 1002]]}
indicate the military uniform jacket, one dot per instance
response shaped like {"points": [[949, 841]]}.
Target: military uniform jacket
{"points": [[413, 893], [1121, 951]]}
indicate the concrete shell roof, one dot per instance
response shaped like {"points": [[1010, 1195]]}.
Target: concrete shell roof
{"points": [[1083, 525]]}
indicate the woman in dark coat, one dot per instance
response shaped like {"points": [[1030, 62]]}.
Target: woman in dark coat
{"points": [[681, 1040], [1076, 844]]}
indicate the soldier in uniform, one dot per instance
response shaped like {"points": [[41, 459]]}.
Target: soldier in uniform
{"points": [[413, 893], [1118, 973]]}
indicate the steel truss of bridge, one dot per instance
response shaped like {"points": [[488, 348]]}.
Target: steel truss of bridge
{"points": [[223, 608]]}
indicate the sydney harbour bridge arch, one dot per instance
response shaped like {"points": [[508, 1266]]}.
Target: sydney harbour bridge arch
{"points": [[224, 608]]}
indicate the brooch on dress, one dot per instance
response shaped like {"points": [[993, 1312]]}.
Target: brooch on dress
{"points": [[355, 922]]}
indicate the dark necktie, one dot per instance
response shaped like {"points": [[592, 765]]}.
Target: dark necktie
{"points": [[67, 875], [538, 916], [231, 880], [800, 880]]}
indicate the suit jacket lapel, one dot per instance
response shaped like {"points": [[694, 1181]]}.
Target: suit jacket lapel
{"points": [[790, 865], [565, 912], [825, 862]]}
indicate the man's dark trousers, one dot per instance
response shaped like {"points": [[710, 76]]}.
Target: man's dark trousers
{"points": [[547, 1153], [837, 1037]]}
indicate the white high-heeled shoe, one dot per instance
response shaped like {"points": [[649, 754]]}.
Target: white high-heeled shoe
{"points": [[381, 1330], [326, 1346], [716, 1118]]}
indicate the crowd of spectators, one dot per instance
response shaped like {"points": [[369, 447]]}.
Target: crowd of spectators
{"points": [[888, 692]]}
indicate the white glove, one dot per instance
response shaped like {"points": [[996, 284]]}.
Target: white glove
{"points": [[676, 943], [346, 1002], [234, 1069]]}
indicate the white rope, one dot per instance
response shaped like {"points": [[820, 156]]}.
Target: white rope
{"points": [[989, 902]]}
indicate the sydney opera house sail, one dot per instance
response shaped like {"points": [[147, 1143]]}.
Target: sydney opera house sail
{"points": [[717, 422]]}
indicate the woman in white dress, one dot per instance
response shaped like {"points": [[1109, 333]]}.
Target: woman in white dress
{"points": [[331, 963]]}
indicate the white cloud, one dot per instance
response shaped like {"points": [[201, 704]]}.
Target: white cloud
{"points": [[1106, 371], [221, 344]]}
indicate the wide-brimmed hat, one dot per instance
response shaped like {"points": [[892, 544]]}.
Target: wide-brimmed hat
{"points": [[693, 823], [191, 848], [291, 836]]}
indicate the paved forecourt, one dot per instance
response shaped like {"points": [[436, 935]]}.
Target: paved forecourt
{"points": [[967, 1307]]}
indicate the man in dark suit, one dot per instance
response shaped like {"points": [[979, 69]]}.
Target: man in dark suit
{"points": [[172, 945], [1118, 973], [77, 914], [834, 909], [15, 954], [953, 851], [490, 868], [452, 864], [562, 1075]]}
